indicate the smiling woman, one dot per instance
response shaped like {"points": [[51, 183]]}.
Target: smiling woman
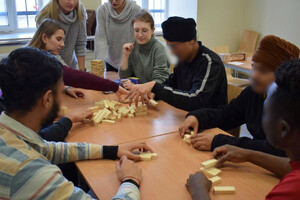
{"points": [[50, 37], [146, 57], [71, 15]]}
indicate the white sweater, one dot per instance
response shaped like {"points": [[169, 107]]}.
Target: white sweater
{"points": [[75, 39], [113, 31]]}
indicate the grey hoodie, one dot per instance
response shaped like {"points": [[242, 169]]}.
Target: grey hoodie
{"points": [[75, 38], [113, 31]]}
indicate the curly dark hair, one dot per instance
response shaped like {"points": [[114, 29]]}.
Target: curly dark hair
{"points": [[25, 75], [286, 98]]}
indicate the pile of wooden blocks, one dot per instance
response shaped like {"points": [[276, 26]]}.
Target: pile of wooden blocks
{"points": [[229, 57], [187, 136], [97, 68], [107, 112], [209, 170]]}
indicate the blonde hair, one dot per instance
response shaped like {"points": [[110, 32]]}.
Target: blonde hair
{"points": [[51, 10], [48, 27], [144, 16]]}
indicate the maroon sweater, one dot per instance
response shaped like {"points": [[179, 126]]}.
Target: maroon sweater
{"points": [[80, 79]]}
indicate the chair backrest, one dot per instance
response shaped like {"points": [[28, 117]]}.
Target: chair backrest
{"points": [[220, 49], [248, 42], [91, 22], [172, 66], [233, 92]]}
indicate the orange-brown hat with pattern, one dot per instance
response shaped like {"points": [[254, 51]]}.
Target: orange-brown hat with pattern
{"points": [[272, 51]]}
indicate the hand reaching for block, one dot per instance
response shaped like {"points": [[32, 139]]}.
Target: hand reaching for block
{"points": [[128, 149]]}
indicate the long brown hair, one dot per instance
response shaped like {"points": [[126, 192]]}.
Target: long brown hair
{"points": [[51, 10], [48, 27]]}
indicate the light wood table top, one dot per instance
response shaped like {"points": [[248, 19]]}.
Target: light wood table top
{"points": [[165, 177], [160, 120], [246, 66]]}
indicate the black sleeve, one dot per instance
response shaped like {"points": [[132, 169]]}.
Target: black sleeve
{"points": [[225, 117], [2, 105], [204, 85], [171, 81], [57, 132], [110, 152], [246, 143]]}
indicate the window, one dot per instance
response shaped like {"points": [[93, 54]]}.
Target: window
{"points": [[157, 8], [19, 14]]}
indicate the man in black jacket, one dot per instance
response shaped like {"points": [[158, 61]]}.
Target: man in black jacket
{"points": [[247, 107], [198, 81]]}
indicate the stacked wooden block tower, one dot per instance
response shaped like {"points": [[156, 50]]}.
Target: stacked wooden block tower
{"points": [[97, 68]]}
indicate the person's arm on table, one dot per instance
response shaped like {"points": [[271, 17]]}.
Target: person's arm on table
{"points": [[225, 117], [278, 165], [130, 177], [58, 131], [80, 79], [74, 92], [195, 98], [38, 179], [246, 143], [198, 186], [60, 152]]}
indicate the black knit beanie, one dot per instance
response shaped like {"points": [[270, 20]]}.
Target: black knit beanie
{"points": [[178, 29]]}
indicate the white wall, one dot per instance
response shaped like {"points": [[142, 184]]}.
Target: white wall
{"points": [[277, 17], [220, 22]]}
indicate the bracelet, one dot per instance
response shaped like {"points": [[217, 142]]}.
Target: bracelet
{"points": [[132, 178], [132, 182], [66, 89]]}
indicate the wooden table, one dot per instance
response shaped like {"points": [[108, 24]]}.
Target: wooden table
{"points": [[165, 177], [245, 67], [160, 120]]}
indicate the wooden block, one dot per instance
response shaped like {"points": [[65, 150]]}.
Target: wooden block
{"points": [[211, 171], [224, 189], [64, 110], [125, 113], [94, 109], [100, 104], [146, 157], [122, 109], [153, 155], [112, 117], [110, 122], [215, 180], [119, 117], [187, 138], [141, 113], [153, 102], [131, 116], [209, 163]]}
